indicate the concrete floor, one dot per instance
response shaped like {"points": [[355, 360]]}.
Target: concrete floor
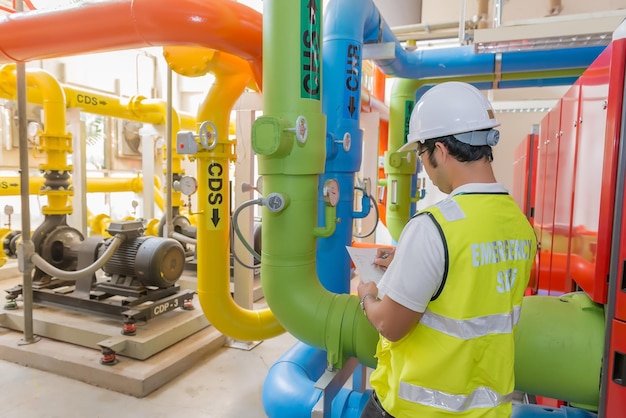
{"points": [[217, 381], [224, 384]]}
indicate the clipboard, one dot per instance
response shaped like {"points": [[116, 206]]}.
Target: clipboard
{"points": [[363, 259]]}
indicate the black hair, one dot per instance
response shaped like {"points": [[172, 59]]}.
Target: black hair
{"points": [[459, 150]]}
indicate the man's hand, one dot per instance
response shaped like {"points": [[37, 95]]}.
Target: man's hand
{"points": [[369, 287], [384, 256]]}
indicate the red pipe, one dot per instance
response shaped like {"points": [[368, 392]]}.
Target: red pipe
{"points": [[223, 25]]}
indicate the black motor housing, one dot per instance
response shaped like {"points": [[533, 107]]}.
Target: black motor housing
{"points": [[154, 261]]}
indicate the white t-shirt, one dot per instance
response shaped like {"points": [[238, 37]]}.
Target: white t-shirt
{"points": [[416, 271]]}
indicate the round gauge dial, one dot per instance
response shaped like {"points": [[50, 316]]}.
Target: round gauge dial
{"points": [[275, 202], [331, 192], [188, 185], [32, 130]]}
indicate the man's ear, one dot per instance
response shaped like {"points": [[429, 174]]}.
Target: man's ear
{"points": [[442, 149]]}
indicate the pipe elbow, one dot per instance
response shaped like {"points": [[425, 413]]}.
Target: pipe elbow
{"points": [[236, 322]]}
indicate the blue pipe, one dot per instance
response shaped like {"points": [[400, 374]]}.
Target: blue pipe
{"points": [[363, 23], [289, 388], [332, 258]]}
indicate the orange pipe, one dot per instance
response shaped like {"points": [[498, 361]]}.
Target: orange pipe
{"points": [[224, 25], [378, 90]]}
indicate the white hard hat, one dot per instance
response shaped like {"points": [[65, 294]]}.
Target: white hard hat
{"points": [[453, 108]]}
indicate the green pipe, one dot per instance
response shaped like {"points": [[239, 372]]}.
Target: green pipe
{"points": [[398, 167], [558, 348], [330, 214], [291, 165]]}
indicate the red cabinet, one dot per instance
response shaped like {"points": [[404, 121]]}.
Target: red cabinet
{"points": [[616, 382]]}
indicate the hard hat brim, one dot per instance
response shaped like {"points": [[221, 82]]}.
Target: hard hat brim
{"points": [[409, 146]]}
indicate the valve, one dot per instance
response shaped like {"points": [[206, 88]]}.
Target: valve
{"points": [[346, 141], [301, 130], [187, 141]]}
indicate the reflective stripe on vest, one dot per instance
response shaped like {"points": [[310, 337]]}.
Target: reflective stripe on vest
{"points": [[474, 327], [481, 397]]}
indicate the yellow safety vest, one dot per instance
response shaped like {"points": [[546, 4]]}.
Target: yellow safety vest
{"points": [[458, 361]]}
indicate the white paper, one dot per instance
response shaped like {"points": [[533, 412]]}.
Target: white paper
{"points": [[363, 259]]}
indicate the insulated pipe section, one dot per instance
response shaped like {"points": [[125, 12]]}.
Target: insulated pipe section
{"points": [[133, 24], [49, 269], [291, 160], [559, 345], [343, 58]]}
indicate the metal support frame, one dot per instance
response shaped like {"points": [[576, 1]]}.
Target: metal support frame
{"points": [[102, 302], [331, 382]]}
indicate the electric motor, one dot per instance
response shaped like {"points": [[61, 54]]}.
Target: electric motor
{"points": [[154, 261]]}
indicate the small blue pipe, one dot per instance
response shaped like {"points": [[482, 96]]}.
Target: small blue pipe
{"points": [[366, 204], [289, 388]]}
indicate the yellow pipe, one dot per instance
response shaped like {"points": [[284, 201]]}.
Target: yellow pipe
{"points": [[99, 224], [55, 142], [10, 186], [142, 105], [98, 103], [152, 227], [109, 105], [232, 74]]}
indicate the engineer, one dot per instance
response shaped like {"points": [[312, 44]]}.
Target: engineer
{"points": [[449, 301]]}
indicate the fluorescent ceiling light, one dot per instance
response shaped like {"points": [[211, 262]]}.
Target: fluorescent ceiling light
{"points": [[569, 31]]}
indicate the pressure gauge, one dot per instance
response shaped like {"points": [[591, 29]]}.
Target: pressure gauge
{"points": [[32, 131], [331, 192], [275, 202], [188, 185]]}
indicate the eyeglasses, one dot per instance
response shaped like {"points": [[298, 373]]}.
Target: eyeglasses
{"points": [[419, 154]]}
